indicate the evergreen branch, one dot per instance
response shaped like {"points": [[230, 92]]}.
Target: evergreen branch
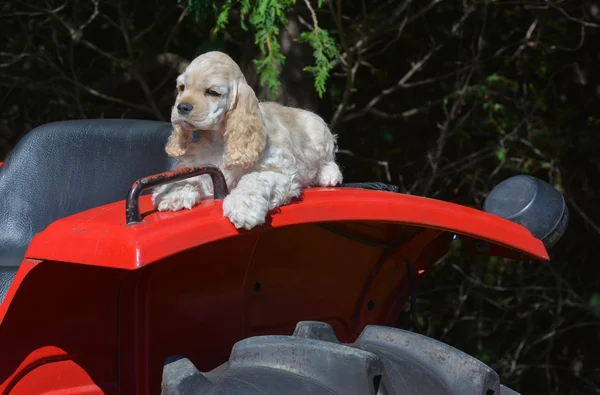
{"points": [[324, 50], [266, 17]]}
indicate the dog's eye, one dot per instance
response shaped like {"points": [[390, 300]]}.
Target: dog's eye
{"points": [[213, 93], [181, 88]]}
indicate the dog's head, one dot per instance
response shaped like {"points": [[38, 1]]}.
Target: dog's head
{"points": [[213, 95]]}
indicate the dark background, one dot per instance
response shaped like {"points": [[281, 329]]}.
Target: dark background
{"points": [[443, 98]]}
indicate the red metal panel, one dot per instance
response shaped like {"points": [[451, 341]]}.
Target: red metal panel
{"points": [[100, 236], [61, 331], [86, 329]]}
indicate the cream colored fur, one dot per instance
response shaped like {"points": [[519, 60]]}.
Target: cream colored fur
{"points": [[267, 152]]}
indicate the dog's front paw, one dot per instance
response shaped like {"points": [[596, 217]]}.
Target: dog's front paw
{"points": [[175, 199], [329, 175], [245, 211]]}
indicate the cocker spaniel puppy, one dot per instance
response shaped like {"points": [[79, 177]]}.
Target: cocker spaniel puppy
{"points": [[267, 152]]}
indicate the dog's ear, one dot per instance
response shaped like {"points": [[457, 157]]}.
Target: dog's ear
{"points": [[245, 136], [178, 142]]}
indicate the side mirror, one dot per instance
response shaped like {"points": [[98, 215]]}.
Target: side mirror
{"points": [[532, 203]]}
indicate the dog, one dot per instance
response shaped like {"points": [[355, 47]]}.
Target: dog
{"points": [[267, 152]]}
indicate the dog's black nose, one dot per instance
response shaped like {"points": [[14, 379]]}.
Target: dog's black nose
{"points": [[184, 108]]}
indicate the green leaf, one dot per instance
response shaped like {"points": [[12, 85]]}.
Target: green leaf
{"points": [[482, 90], [559, 187], [485, 357], [595, 301], [501, 154]]}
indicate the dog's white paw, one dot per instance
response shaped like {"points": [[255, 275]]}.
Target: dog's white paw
{"points": [[245, 211], [329, 175], [177, 198]]}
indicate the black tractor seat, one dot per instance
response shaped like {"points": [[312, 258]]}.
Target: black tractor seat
{"points": [[63, 168]]}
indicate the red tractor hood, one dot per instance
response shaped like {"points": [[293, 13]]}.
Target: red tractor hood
{"points": [[101, 237]]}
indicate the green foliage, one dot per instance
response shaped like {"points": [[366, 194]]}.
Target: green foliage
{"points": [[499, 82], [324, 50], [266, 18], [501, 154], [201, 9]]}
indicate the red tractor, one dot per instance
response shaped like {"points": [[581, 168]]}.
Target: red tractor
{"points": [[100, 294]]}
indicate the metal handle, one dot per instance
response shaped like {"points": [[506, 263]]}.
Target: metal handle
{"points": [[132, 208]]}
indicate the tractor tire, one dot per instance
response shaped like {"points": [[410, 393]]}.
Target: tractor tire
{"points": [[382, 361]]}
